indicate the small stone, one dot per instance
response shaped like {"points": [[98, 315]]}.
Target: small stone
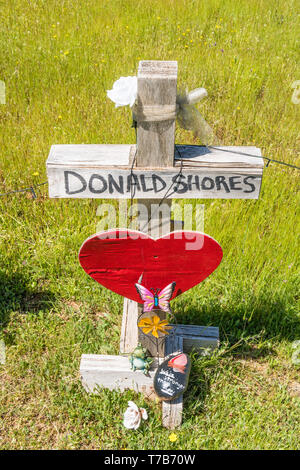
{"points": [[172, 376]]}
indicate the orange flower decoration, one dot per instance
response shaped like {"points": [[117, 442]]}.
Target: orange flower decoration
{"points": [[154, 325]]}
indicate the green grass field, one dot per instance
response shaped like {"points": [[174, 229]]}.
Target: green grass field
{"points": [[58, 58]]}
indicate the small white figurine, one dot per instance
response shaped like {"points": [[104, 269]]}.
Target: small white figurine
{"points": [[133, 416]]}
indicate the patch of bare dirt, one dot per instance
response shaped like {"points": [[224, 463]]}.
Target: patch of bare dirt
{"points": [[294, 389]]}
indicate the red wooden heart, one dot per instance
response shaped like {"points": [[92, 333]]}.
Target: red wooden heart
{"points": [[117, 259]]}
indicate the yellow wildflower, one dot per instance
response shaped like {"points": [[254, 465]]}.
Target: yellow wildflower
{"points": [[173, 437], [154, 325], [36, 173]]}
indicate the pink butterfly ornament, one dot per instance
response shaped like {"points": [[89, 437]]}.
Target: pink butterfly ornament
{"points": [[157, 299]]}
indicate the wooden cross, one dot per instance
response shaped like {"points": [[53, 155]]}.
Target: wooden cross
{"points": [[105, 171]]}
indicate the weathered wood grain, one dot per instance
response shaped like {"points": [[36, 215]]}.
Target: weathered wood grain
{"points": [[219, 173], [195, 338], [101, 156], [157, 86], [89, 155], [129, 331], [198, 338], [114, 373]]}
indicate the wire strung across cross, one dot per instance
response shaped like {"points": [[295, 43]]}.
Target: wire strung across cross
{"points": [[256, 156], [24, 190], [166, 195]]}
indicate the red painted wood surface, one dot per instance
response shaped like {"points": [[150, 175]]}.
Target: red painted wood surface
{"points": [[117, 259]]}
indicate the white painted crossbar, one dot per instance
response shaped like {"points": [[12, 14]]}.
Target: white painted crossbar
{"points": [[104, 171], [114, 373]]}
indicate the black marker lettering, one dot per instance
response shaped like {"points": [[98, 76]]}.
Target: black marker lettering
{"points": [[233, 183], [79, 177], [252, 186], [184, 187], [131, 183], [196, 182], [220, 181], [210, 181], [144, 185], [155, 179], [103, 182], [112, 184]]}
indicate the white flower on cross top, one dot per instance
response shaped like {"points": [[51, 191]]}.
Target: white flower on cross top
{"points": [[124, 91], [133, 416]]}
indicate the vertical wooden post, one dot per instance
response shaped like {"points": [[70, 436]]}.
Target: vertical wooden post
{"points": [[157, 88], [156, 107]]}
